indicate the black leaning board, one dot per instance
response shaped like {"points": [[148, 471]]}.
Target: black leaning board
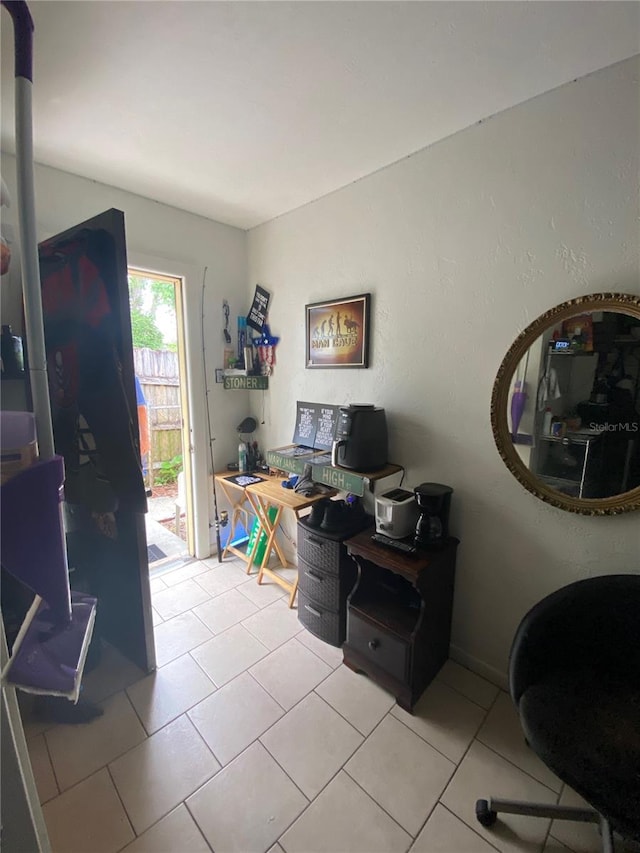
{"points": [[306, 424], [315, 425], [327, 423]]}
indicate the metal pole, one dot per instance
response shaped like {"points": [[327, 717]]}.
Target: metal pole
{"points": [[23, 36], [216, 517]]}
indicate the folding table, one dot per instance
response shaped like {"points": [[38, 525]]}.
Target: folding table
{"points": [[270, 493], [235, 491]]}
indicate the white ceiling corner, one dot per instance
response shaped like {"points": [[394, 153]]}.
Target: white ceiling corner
{"points": [[241, 111]]}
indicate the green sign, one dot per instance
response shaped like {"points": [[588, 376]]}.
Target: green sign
{"points": [[246, 383], [292, 464], [336, 478]]}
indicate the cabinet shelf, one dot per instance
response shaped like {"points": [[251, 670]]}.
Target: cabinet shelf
{"points": [[388, 600], [550, 480], [388, 613], [571, 438], [568, 354]]}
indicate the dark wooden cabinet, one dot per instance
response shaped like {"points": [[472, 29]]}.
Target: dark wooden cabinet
{"points": [[399, 615]]}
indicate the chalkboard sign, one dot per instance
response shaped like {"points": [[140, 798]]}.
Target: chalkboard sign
{"points": [[327, 422], [315, 425], [306, 424]]}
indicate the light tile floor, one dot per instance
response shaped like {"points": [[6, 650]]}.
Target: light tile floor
{"points": [[253, 737]]}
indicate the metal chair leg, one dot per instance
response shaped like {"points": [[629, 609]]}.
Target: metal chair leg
{"points": [[487, 813]]}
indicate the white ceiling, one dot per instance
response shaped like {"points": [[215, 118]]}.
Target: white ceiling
{"points": [[241, 111]]}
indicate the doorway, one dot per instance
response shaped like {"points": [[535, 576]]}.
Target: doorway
{"points": [[157, 325]]}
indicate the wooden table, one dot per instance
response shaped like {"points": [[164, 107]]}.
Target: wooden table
{"points": [[267, 494], [241, 509]]}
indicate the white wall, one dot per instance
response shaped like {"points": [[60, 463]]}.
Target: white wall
{"points": [[163, 239], [462, 245]]}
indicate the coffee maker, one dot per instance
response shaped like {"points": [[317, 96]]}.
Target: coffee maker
{"points": [[434, 501]]}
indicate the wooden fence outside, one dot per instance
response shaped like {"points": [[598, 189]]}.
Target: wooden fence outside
{"points": [[158, 374]]}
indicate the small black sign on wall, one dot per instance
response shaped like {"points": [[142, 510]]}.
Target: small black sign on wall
{"points": [[259, 309]]}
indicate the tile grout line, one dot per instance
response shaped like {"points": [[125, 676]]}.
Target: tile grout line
{"points": [[135, 711], [113, 758], [464, 695], [365, 736], [341, 767], [262, 610], [197, 730], [211, 750], [233, 760], [124, 808], [371, 797], [172, 571], [485, 716], [273, 757], [181, 802], [262, 687], [453, 772], [435, 748], [193, 610], [382, 808], [462, 758], [185, 710], [317, 655], [246, 669], [495, 752], [482, 722], [521, 769], [208, 591], [215, 598], [53, 768], [457, 817], [187, 651], [284, 713], [195, 820], [313, 799]]}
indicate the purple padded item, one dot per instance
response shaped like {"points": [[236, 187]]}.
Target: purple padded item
{"points": [[50, 658], [32, 534]]}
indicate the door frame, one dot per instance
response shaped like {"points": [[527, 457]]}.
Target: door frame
{"points": [[197, 480], [185, 429]]}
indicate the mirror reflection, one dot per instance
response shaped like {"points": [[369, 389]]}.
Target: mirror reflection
{"points": [[574, 405]]}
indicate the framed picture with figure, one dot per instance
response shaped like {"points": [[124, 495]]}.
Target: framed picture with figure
{"points": [[337, 332]]}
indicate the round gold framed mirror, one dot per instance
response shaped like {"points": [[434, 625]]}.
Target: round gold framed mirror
{"points": [[565, 408]]}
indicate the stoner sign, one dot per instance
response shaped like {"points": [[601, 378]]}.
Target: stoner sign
{"points": [[337, 332]]}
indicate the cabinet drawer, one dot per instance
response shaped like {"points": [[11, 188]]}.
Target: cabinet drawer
{"points": [[321, 587], [325, 624], [319, 552], [381, 648]]}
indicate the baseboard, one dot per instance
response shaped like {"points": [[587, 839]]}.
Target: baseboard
{"points": [[495, 676]]}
